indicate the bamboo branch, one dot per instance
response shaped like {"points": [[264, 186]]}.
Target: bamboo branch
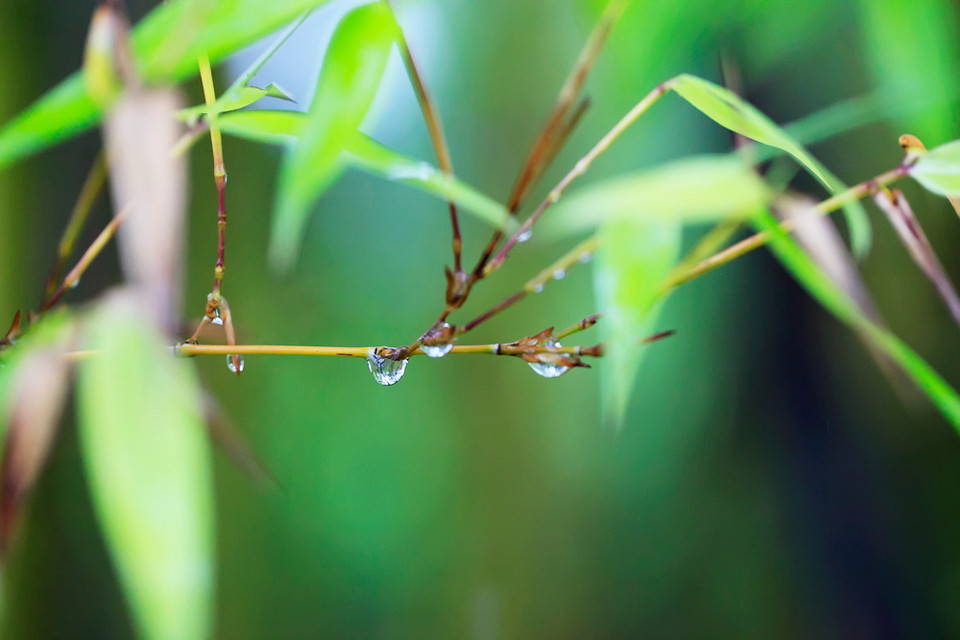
{"points": [[91, 188], [73, 277]]}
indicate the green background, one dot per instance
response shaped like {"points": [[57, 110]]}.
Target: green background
{"points": [[768, 481]]}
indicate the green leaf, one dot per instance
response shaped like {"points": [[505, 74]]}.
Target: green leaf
{"points": [[366, 153], [238, 94], [697, 189], [938, 170], [242, 97], [148, 464], [166, 46], [363, 152], [631, 265], [727, 109], [912, 50], [262, 125], [351, 73], [839, 304]]}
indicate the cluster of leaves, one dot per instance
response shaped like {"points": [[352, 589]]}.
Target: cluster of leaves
{"points": [[141, 413]]}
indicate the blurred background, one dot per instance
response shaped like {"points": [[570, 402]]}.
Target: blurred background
{"points": [[768, 482]]}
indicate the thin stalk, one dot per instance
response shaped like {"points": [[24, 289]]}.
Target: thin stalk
{"points": [[757, 240], [91, 188], [575, 256], [555, 132], [578, 170], [73, 277], [220, 179], [437, 137], [186, 349], [583, 325]]}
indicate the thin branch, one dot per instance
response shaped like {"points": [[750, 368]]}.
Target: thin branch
{"points": [[757, 240], [556, 271], [437, 137], [91, 188], [185, 349], [578, 170], [73, 277]]}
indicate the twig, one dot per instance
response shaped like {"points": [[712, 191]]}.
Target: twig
{"points": [[220, 178], [73, 277], [757, 240], [437, 138], [578, 170], [580, 253], [92, 185]]}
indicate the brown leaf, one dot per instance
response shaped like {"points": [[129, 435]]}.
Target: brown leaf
{"points": [[901, 216], [139, 133], [39, 389]]}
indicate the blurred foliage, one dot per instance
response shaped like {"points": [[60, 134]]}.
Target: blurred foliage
{"points": [[766, 482]]}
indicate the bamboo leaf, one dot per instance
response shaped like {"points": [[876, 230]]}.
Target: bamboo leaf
{"points": [[166, 45], [631, 265], [366, 153], [698, 189], [728, 110], [147, 461], [938, 170], [263, 125], [242, 97], [839, 304], [351, 73]]}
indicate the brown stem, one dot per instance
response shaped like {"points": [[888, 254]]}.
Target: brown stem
{"points": [[92, 186], [437, 138], [88, 256]]}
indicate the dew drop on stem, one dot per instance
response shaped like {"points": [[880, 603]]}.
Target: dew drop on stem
{"points": [[538, 288], [438, 341], [559, 274], [386, 371], [546, 368], [526, 235], [232, 366]]}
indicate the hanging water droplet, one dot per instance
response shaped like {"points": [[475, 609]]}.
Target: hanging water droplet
{"points": [[587, 257], [386, 371], [436, 350], [231, 366], [559, 274], [538, 288], [217, 320], [438, 341], [549, 369], [526, 235]]}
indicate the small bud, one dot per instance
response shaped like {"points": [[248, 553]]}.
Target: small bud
{"points": [[913, 147]]}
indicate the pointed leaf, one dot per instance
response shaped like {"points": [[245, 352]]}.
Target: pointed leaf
{"points": [[839, 304], [938, 170], [728, 110], [366, 153], [363, 152], [147, 461], [242, 97], [630, 268], [698, 189], [351, 73], [166, 45]]}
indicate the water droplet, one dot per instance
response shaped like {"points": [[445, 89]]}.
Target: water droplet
{"points": [[75, 284], [438, 341], [385, 370], [559, 274], [538, 288], [526, 235], [217, 320], [587, 257], [549, 369], [231, 366], [436, 350]]}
